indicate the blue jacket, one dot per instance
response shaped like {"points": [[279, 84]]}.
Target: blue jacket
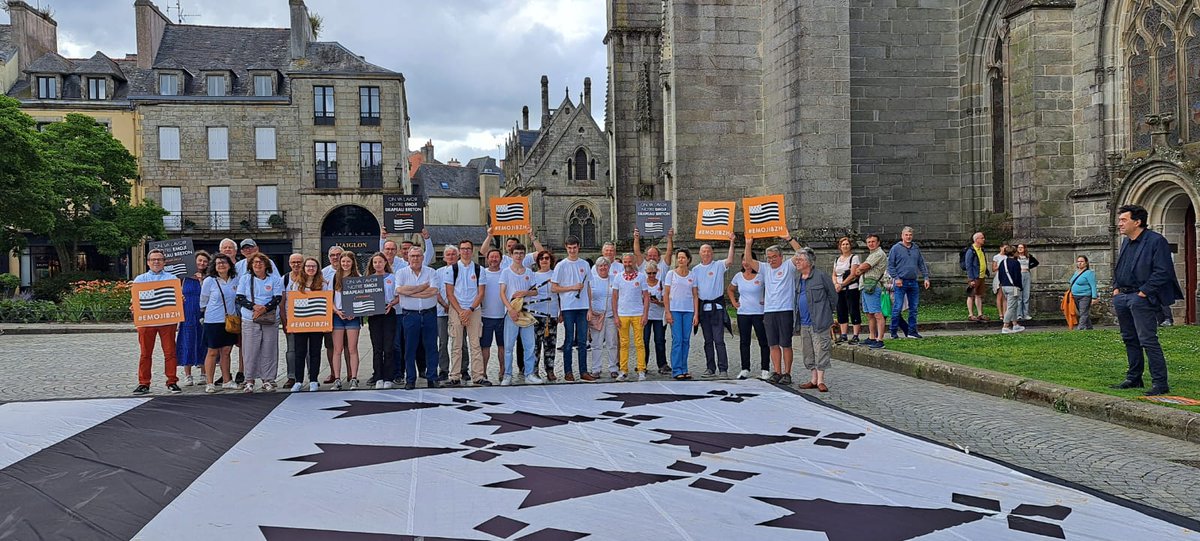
{"points": [[1009, 272], [907, 263], [972, 262], [1151, 271]]}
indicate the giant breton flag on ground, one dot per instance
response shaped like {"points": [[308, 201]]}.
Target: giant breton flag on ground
{"points": [[652, 460], [156, 303], [764, 217], [510, 215], [714, 220]]}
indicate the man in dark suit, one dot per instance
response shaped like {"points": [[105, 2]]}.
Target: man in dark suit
{"points": [[1143, 282]]}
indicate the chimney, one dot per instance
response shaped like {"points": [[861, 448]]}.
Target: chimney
{"points": [[301, 29], [35, 32], [545, 102], [150, 23], [525, 117], [454, 162], [427, 151], [586, 104]]}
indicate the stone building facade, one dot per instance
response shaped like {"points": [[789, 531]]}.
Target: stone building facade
{"points": [[1030, 119], [563, 167]]}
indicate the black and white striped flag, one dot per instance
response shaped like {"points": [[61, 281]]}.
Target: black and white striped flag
{"points": [[715, 217], [764, 213], [154, 299]]}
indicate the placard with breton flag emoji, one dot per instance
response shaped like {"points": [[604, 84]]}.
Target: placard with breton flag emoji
{"points": [[403, 213], [714, 220], [510, 215], [309, 312], [156, 303], [180, 256], [365, 296], [764, 217], [653, 218]]}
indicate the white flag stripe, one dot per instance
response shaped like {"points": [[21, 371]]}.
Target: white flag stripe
{"points": [[178, 269], [402, 223], [310, 307], [510, 212]]}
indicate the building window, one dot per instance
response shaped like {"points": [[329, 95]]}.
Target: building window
{"points": [[47, 88], [218, 208], [583, 225], [323, 105], [97, 89], [168, 143], [218, 143], [215, 84], [326, 164], [268, 204], [168, 84], [172, 202], [999, 132], [263, 85], [370, 166], [264, 143], [581, 166], [368, 105], [1164, 68]]}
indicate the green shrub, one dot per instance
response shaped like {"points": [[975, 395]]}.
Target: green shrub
{"points": [[96, 300], [21, 311], [54, 287], [8, 284]]}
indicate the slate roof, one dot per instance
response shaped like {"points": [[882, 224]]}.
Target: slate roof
{"points": [[8, 47], [442, 235], [527, 138], [51, 63], [333, 57], [99, 64], [458, 181]]}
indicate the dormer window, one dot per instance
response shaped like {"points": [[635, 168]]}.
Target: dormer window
{"points": [[47, 88], [97, 88], [168, 84], [215, 85], [264, 85]]}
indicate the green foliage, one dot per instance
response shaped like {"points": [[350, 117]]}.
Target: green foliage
{"points": [[26, 196], [8, 284], [997, 228], [55, 288], [96, 301], [21, 311]]}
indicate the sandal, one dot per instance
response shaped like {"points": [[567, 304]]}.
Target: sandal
{"points": [[808, 385], [973, 319], [822, 387], [683, 377]]}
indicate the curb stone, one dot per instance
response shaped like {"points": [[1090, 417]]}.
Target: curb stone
{"points": [[58, 328], [1178, 424]]}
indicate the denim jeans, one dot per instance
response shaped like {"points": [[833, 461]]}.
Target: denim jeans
{"points": [[681, 341], [911, 289], [575, 328], [1139, 330], [511, 332], [655, 327], [419, 329], [1023, 305]]}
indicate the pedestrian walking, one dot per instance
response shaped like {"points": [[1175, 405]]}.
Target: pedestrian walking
{"points": [[907, 265]]}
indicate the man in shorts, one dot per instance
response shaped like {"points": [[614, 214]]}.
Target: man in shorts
{"points": [[779, 301]]}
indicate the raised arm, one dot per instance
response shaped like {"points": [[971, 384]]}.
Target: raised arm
{"points": [[637, 248], [670, 255], [486, 245], [732, 242], [537, 244], [746, 254], [428, 247]]}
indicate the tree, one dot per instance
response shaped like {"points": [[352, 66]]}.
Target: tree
{"points": [[26, 196], [90, 174]]}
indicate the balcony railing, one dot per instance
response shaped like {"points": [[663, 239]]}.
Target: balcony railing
{"points": [[213, 221], [371, 176]]}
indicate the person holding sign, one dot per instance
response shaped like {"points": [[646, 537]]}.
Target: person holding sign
{"points": [[710, 283], [308, 344], [345, 329], [652, 254], [779, 301], [189, 343], [631, 303], [383, 326], [417, 287], [570, 277], [156, 260], [683, 301], [217, 296], [516, 282], [260, 294]]}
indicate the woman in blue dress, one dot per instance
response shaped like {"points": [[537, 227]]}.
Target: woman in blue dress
{"points": [[189, 343]]}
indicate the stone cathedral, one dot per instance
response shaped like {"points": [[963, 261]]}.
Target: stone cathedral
{"points": [[1032, 120]]}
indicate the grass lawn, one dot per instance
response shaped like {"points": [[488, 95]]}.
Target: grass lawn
{"points": [[956, 311], [1090, 360]]}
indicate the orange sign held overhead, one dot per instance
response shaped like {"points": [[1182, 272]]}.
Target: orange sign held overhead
{"points": [[714, 220], [764, 217], [309, 312], [510, 215], [156, 303]]}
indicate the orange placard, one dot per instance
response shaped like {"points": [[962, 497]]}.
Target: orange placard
{"points": [[156, 303], [510, 215], [714, 220], [309, 312], [764, 217]]}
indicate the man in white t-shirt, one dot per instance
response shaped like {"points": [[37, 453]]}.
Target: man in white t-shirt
{"points": [[506, 257], [652, 253], [516, 281], [570, 284], [779, 300], [249, 248], [710, 286], [464, 292], [631, 302], [492, 312]]}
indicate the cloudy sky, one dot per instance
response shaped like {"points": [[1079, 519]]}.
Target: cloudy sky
{"points": [[469, 64]]}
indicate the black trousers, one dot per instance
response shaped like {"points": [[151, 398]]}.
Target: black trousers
{"points": [[746, 324], [849, 306], [383, 334], [660, 343], [308, 353]]}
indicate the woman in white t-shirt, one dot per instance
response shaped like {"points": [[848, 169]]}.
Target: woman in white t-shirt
{"points": [[654, 318], [1001, 305], [308, 344], [682, 299], [601, 325], [544, 308], [849, 305], [745, 294]]}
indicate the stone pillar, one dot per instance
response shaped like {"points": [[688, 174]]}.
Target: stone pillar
{"points": [[1041, 101]]}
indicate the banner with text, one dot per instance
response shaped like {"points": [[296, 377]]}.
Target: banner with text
{"points": [[714, 220], [365, 296], [181, 255], [510, 215], [653, 218], [157, 303], [403, 213], [309, 312], [764, 217]]}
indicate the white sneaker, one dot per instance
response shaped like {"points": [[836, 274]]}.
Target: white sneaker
{"points": [[1006, 330], [188, 380], [249, 388], [622, 377], [388, 384], [353, 384], [314, 386], [1018, 328], [766, 374], [744, 374], [210, 388], [641, 376], [337, 384], [506, 381], [533, 379], [229, 386], [297, 387], [379, 384]]}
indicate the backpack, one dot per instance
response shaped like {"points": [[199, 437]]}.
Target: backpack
{"points": [[962, 257], [455, 272]]}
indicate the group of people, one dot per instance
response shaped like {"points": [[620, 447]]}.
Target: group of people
{"points": [[1012, 282]]}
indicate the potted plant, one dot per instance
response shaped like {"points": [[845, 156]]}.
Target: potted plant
{"points": [[276, 221]]}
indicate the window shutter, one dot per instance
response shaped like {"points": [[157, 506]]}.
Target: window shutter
{"points": [[168, 143], [264, 143], [218, 143], [173, 204], [268, 204], [218, 207]]}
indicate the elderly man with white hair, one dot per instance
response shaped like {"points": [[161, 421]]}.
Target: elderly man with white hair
{"points": [[779, 300], [816, 301]]}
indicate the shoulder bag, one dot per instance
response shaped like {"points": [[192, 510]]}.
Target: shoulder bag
{"points": [[233, 323], [267, 318]]}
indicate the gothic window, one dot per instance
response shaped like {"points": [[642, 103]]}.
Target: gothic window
{"points": [[1192, 107], [592, 169], [582, 224], [999, 130], [1139, 102], [581, 163], [1163, 61], [1168, 81]]}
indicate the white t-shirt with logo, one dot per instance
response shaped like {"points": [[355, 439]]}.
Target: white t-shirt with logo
{"points": [[569, 273], [545, 303], [467, 285], [601, 290], [492, 307], [750, 294], [779, 286], [514, 282], [681, 291], [710, 279], [656, 311], [629, 294]]}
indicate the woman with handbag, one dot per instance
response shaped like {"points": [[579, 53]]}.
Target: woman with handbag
{"points": [[345, 330], [1083, 290], [259, 294], [846, 282], [190, 347], [681, 296], [601, 324], [222, 324], [308, 344], [1009, 271]]}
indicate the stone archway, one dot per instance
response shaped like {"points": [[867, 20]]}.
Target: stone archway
{"points": [[1171, 201], [354, 228]]}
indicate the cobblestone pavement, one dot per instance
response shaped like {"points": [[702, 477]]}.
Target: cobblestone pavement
{"points": [[1128, 463]]}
